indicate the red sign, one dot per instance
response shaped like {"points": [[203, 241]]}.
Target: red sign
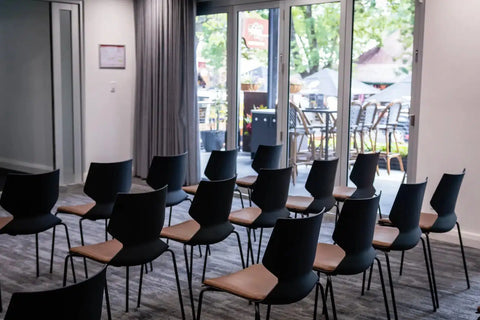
{"points": [[255, 33]]}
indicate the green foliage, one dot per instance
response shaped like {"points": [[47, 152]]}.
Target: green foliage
{"points": [[212, 31]]}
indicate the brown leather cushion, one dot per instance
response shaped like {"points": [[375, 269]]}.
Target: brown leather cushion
{"points": [[328, 257], [245, 217], [427, 220], [341, 193], [102, 252], [298, 203], [253, 283], [4, 221], [181, 232], [246, 182], [384, 237], [191, 189], [79, 210]]}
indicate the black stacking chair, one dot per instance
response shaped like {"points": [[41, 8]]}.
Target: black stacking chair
{"points": [[104, 181], [135, 225], [79, 301], [266, 157], [352, 252], [29, 198], [285, 275], [210, 209], [401, 231], [169, 170], [362, 175], [221, 165], [270, 194], [319, 184], [444, 219]]}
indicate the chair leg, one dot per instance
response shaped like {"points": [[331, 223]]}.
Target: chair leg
{"points": [[37, 258], [178, 283], [1, 307], [370, 277], [394, 304], [65, 268], [432, 293], [127, 288], [69, 246], [83, 243], [53, 248], [107, 301], [259, 245], [241, 197], [401, 263], [189, 266], [240, 248], [205, 263], [106, 226], [383, 288], [463, 255], [268, 312], [257, 311], [332, 299], [324, 309], [200, 300], [249, 196], [432, 270], [140, 285], [170, 217], [249, 247]]}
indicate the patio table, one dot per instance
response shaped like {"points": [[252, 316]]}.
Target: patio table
{"points": [[327, 113]]}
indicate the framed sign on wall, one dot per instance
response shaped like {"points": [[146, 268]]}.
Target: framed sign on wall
{"points": [[112, 56]]}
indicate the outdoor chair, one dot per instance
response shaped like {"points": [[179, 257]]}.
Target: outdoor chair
{"points": [[209, 224], [352, 251], [29, 198], [270, 195], [367, 120], [355, 112], [79, 301], [285, 275], [135, 225], [320, 183], [169, 170], [266, 157]]}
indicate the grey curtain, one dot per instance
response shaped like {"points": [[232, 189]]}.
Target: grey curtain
{"points": [[166, 117]]}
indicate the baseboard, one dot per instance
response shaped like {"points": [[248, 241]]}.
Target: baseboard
{"points": [[470, 239], [24, 166]]}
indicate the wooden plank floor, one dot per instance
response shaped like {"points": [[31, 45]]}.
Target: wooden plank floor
{"points": [[160, 300]]}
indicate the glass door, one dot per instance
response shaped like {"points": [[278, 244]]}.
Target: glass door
{"points": [[257, 76]]}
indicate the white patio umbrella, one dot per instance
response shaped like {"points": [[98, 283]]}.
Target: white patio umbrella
{"points": [[397, 91], [325, 82]]}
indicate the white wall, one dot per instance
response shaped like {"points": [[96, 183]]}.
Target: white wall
{"points": [[449, 120], [26, 140], [108, 117]]}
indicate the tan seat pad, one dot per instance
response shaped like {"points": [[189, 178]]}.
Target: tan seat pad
{"points": [[245, 217], [427, 220], [191, 189], [181, 232], [4, 221], [102, 252], [298, 203], [79, 210], [328, 257], [246, 182], [341, 193], [253, 283], [384, 236]]}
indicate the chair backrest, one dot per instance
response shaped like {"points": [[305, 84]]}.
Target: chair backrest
{"points": [[394, 109], [354, 234], [79, 301], [363, 174], [297, 113], [405, 215], [210, 208], [289, 256], [267, 157], [136, 221], [355, 111], [369, 113], [444, 200], [221, 165], [270, 193], [104, 181], [169, 170], [30, 195], [320, 183]]}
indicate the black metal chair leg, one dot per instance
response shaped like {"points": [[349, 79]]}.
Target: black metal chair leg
{"points": [[205, 263], [383, 288], [432, 271], [69, 246], [37, 259], [332, 298], [432, 293], [140, 286], [401, 263], [189, 267], [249, 196], [65, 268], [106, 226], [257, 311], [240, 248], [249, 246], [259, 244], [394, 304], [178, 283], [53, 248], [370, 277], [127, 288], [83, 243], [268, 312], [170, 217], [463, 255], [107, 301], [324, 308], [241, 197], [1, 307]]}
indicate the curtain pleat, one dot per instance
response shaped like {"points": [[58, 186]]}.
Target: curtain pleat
{"points": [[166, 117]]}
